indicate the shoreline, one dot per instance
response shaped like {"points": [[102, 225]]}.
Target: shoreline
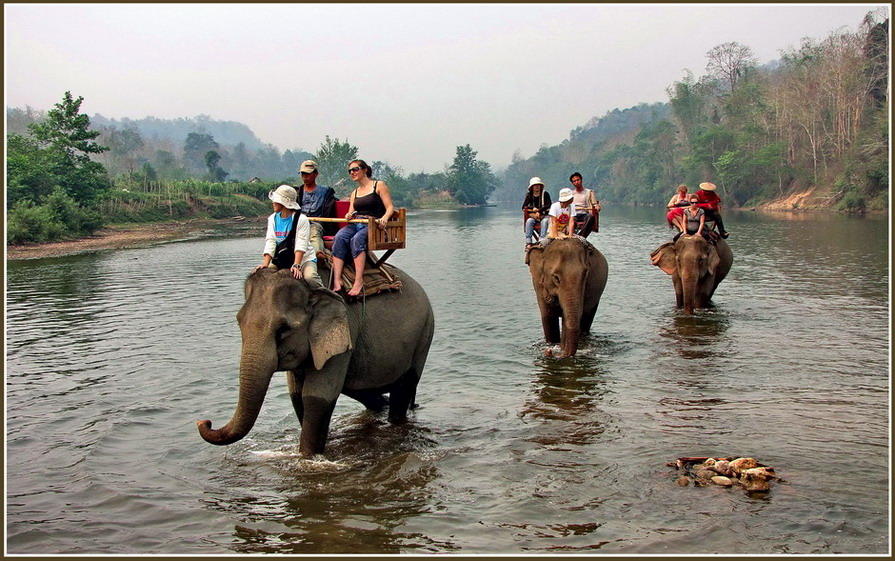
{"points": [[131, 236], [136, 235]]}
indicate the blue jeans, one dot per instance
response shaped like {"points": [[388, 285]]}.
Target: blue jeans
{"points": [[530, 228], [350, 241]]}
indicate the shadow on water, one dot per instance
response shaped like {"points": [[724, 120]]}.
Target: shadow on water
{"points": [[374, 478]]}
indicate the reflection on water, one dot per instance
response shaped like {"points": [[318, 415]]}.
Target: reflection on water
{"points": [[112, 356], [697, 336]]}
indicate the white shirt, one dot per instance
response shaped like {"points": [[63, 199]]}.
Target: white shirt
{"points": [[582, 198], [302, 238], [558, 211]]}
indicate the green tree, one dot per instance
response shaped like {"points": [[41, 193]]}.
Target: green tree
{"points": [[29, 170], [66, 137], [470, 181], [215, 173], [66, 130], [195, 147], [332, 160]]}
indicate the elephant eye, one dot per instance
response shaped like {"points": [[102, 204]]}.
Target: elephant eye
{"points": [[282, 331]]}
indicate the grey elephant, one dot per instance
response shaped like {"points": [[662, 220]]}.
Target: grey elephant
{"points": [[568, 276], [696, 266], [327, 348]]}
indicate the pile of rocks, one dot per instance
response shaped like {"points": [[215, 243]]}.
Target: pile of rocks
{"points": [[727, 472]]}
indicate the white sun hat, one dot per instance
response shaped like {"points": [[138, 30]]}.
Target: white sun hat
{"points": [[286, 196]]}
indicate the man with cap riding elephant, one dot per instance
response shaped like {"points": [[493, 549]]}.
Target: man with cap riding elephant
{"points": [[316, 200]]}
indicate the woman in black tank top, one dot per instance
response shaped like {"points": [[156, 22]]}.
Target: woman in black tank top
{"points": [[370, 198]]}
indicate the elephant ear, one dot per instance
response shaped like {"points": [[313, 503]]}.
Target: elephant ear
{"points": [[328, 332], [664, 257], [537, 250]]}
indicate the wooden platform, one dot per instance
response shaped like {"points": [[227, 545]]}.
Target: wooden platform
{"points": [[389, 239]]}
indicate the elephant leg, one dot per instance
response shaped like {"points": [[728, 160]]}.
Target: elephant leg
{"points": [[402, 396], [294, 380], [550, 324], [315, 427], [587, 319], [372, 400]]}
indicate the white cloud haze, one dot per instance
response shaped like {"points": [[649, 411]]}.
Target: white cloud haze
{"points": [[406, 83]]}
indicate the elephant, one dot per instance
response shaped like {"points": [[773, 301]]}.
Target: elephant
{"points": [[568, 276], [327, 347], [696, 265]]}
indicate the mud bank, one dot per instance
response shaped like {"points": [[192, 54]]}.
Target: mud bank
{"points": [[139, 235]]}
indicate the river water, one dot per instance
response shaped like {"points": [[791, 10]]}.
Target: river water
{"points": [[112, 356]]}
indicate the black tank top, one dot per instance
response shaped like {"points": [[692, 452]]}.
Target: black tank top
{"points": [[369, 205]]}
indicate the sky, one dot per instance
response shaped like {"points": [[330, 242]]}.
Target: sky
{"points": [[405, 83]]}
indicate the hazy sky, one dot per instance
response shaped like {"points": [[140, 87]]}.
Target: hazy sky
{"points": [[405, 83]]}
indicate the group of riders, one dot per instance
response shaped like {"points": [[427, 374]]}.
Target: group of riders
{"points": [[576, 212], [690, 213], [294, 242]]}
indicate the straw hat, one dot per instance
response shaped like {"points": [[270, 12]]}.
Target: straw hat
{"points": [[286, 196], [706, 186], [565, 194]]}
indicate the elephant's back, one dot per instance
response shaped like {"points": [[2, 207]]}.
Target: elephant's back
{"points": [[406, 310]]}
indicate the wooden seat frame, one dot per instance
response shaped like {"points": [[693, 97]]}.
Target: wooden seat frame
{"points": [[389, 239]]}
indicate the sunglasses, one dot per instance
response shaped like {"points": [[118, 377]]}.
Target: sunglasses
{"points": [[354, 169]]}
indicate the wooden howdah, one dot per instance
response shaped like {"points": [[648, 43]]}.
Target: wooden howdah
{"points": [[392, 238]]}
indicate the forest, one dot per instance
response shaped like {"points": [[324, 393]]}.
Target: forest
{"points": [[809, 130], [814, 122]]}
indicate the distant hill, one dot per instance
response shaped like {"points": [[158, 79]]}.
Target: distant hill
{"points": [[580, 152], [225, 133]]}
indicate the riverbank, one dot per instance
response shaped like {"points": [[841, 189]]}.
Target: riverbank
{"points": [[129, 236]]}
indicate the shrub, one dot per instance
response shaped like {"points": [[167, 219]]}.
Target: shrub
{"points": [[59, 217]]}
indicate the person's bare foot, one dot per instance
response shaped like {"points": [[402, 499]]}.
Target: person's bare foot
{"points": [[337, 287], [355, 290]]}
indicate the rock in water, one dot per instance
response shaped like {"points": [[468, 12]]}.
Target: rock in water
{"points": [[742, 464]]}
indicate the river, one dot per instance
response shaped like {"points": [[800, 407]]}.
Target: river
{"points": [[111, 357]]}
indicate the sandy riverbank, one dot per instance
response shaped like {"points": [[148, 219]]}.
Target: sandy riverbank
{"points": [[139, 235]]}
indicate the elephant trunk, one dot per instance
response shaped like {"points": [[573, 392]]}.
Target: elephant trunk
{"points": [[254, 378], [690, 285], [571, 329]]}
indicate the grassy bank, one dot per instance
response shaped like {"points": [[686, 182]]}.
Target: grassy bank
{"points": [[59, 218]]}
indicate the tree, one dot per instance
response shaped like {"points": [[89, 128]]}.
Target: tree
{"points": [[215, 173], [730, 62], [122, 143], [68, 131], [470, 181], [195, 147], [332, 160], [68, 142]]}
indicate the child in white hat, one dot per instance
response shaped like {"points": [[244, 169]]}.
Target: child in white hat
{"points": [[562, 215], [287, 243]]}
